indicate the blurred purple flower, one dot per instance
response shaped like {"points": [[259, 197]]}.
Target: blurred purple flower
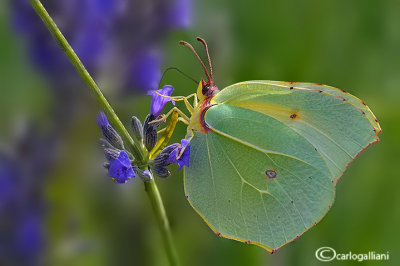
{"points": [[121, 168], [90, 43], [29, 236], [121, 36], [184, 158], [179, 14], [158, 102], [21, 235], [9, 184], [145, 70], [103, 9]]}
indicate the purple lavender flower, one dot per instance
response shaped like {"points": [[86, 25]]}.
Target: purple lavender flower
{"points": [[120, 168], [158, 102], [184, 158], [119, 165]]}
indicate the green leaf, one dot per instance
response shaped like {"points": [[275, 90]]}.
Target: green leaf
{"points": [[267, 170]]}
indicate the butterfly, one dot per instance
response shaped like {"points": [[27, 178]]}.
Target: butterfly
{"points": [[266, 155]]}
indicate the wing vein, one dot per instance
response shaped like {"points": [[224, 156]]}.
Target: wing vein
{"points": [[266, 214], [243, 181], [214, 187], [284, 190]]}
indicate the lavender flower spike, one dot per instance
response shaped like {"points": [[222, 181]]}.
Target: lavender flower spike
{"points": [[109, 132], [121, 168], [184, 159], [158, 102]]}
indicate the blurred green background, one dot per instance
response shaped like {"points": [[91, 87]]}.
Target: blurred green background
{"points": [[353, 45]]}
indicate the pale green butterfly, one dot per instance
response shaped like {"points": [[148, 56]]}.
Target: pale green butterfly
{"points": [[266, 155]]}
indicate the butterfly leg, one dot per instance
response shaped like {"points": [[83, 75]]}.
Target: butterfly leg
{"points": [[184, 148], [175, 115], [183, 117], [165, 128], [188, 106], [167, 134]]}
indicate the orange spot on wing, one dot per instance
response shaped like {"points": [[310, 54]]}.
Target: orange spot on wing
{"points": [[293, 116]]}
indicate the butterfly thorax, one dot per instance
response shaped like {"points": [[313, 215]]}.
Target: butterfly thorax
{"points": [[205, 92]]}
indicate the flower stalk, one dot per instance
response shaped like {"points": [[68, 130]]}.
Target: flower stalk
{"points": [[138, 152]]}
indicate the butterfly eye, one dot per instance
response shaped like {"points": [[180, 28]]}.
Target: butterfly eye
{"points": [[205, 89]]}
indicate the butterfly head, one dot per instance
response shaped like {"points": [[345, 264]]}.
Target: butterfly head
{"points": [[206, 88]]}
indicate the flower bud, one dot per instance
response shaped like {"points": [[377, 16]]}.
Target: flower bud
{"points": [[112, 136], [161, 171], [137, 128], [146, 125], [167, 150], [150, 121], [105, 144], [155, 123], [111, 153], [150, 138], [109, 132], [161, 160], [145, 175]]}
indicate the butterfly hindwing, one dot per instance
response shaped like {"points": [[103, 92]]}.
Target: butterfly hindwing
{"points": [[267, 169]]}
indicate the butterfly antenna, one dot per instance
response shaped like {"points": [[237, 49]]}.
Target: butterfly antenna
{"points": [[208, 54], [198, 57], [176, 69]]}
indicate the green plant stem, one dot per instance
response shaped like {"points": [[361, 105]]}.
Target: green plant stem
{"points": [[137, 151], [162, 220]]}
